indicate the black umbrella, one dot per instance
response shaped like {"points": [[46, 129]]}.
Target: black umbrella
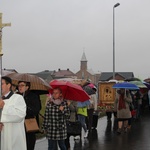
{"points": [[88, 90], [132, 79]]}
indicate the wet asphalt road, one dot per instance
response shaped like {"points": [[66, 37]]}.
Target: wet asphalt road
{"points": [[138, 138]]}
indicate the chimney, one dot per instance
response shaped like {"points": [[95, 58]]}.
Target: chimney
{"points": [[46, 70], [59, 69], [67, 69]]}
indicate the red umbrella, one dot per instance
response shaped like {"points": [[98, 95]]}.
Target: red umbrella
{"points": [[70, 91]]}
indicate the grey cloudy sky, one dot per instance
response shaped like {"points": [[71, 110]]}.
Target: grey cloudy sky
{"points": [[51, 34]]}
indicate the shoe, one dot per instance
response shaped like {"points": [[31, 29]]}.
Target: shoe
{"points": [[125, 129], [119, 131], [86, 134], [77, 137]]}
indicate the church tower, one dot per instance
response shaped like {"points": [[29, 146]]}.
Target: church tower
{"points": [[85, 73], [83, 66]]}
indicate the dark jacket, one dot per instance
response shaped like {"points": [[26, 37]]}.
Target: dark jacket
{"points": [[33, 104], [73, 111]]}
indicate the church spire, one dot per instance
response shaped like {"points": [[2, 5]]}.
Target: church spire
{"points": [[83, 57]]}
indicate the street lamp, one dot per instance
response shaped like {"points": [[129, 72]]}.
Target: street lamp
{"points": [[116, 5]]}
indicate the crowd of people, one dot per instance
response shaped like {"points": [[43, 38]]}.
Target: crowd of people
{"points": [[63, 118], [22, 104], [129, 106], [60, 114]]}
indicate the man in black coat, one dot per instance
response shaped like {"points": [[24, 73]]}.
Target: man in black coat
{"points": [[33, 107]]}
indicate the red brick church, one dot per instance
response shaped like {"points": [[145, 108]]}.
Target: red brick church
{"points": [[85, 73]]}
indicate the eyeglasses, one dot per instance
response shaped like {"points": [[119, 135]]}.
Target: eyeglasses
{"points": [[3, 83], [21, 85]]}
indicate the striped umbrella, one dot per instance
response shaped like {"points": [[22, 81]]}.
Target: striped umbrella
{"points": [[139, 84], [37, 84]]}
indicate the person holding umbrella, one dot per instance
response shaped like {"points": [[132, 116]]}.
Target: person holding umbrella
{"points": [[33, 107], [82, 114], [91, 91], [122, 101], [56, 114], [69, 91]]}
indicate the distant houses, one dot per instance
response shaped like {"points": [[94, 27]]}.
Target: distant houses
{"points": [[46, 75], [8, 71], [84, 73], [50, 75], [64, 74], [106, 76]]}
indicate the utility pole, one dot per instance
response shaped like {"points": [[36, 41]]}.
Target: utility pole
{"points": [[2, 25]]}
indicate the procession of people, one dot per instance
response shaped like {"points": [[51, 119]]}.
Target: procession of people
{"points": [[69, 109]]}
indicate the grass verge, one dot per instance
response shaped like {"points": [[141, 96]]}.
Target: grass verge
{"points": [[43, 101]]}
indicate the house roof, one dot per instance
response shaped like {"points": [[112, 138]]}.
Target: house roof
{"points": [[83, 57], [11, 70], [105, 76], [63, 73], [6, 72], [46, 72], [46, 75], [90, 71]]}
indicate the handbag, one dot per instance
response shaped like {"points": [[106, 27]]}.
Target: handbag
{"points": [[74, 128], [131, 106], [31, 125]]}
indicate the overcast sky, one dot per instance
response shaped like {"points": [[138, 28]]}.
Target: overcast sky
{"points": [[51, 34]]}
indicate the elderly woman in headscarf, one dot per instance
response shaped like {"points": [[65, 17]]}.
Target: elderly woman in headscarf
{"points": [[123, 99]]}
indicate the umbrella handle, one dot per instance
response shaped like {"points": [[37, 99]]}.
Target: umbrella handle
{"points": [[125, 93], [23, 94]]}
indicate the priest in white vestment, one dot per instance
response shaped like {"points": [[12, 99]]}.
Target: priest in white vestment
{"points": [[12, 119]]}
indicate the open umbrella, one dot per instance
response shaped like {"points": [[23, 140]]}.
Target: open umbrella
{"points": [[88, 90], [91, 85], [70, 91], [37, 84], [125, 85], [132, 79], [147, 84], [83, 104], [139, 84], [116, 81]]}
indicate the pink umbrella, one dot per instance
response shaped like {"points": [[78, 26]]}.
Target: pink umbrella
{"points": [[91, 85]]}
